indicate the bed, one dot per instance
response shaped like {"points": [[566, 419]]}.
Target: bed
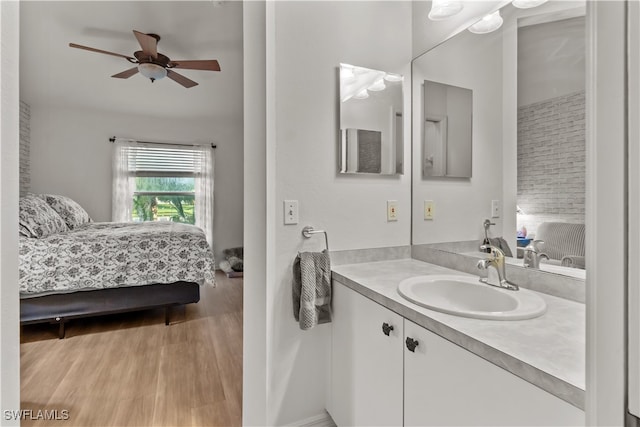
{"points": [[71, 267]]}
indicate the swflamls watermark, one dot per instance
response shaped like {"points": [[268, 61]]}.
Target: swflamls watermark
{"points": [[36, 415]]}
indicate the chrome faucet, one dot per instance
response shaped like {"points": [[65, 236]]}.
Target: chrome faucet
{"points": [[533, 255], [496, 273]]}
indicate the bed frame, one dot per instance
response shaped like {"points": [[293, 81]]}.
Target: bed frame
{"points": [[60, 308]]}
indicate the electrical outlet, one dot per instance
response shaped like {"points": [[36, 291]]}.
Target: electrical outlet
{"points": [[290, 212], [495, 209], [428, 209], [392, 210]]}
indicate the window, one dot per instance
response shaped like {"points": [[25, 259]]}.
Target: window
{"points": [[161, 182], [164, 199]]}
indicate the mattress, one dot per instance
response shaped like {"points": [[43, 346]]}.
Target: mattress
{"points": [[102, 255]]}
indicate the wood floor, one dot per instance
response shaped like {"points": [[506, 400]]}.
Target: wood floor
{"points": [[132, 370]]}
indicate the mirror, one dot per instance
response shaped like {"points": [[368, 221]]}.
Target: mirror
{"points": [[371, 137], [551, 123], [508, 71], [446, 149]]}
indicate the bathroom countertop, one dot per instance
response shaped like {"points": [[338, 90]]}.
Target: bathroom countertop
{"points": [[548, 351]]}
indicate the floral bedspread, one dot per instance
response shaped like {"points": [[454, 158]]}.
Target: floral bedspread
{"points": [[111, 254]]}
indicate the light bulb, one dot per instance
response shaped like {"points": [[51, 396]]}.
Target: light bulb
{"points": [[346, 72], [378, 86], [443, 9], [390, 77], [152, 71], [363, 94], [489, 23], [526, 4]]}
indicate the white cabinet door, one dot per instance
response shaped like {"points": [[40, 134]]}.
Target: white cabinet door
{"points": [[445, 384], [366, 374]]}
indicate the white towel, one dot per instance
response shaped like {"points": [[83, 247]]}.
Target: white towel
{"points": [[312, 289]]}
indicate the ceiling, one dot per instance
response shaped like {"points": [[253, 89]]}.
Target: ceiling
{"points": [[53, 74]]}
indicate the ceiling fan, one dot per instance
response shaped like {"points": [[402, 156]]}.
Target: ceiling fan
{"points": [[154, 65]]}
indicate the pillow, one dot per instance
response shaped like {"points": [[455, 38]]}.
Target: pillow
{"points": [[38, 219], [70, 211]]}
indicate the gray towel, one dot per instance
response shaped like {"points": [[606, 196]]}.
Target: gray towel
{"points": [[499, 242], [312, 289]]}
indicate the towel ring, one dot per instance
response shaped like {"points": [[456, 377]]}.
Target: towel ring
{"points": [[308, 231]]}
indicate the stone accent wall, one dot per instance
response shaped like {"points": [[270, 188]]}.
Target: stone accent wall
{"points": [[551, 161], [25, 148]]}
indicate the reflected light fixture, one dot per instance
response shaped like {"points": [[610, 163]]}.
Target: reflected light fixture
{"points": [[489, 23], [152, 71], [363, 94], [378, 86], [390, 77], [443, 9], [526, 4], [346, 72]]}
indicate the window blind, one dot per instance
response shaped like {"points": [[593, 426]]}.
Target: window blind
{"points": [[160, 161]]}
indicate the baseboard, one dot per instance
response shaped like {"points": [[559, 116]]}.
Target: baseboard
{"points": [[321, 420]]}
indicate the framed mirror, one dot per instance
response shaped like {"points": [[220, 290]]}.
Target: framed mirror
{"points": [[446, 132], [371, 135]]}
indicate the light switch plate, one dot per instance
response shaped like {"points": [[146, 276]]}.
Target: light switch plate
{"points": [[392, 210], [428, 209], [290, 212], [495, 209]]}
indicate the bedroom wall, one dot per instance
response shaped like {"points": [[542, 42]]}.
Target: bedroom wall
{"points": [[352, 209], [71, 155], [551, 161]]}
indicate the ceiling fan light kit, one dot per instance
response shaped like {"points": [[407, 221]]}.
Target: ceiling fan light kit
{"points": [[154, 65], [152, 71]]}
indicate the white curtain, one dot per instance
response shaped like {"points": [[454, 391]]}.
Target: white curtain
{"points": [[123, 183], [204, 190]]}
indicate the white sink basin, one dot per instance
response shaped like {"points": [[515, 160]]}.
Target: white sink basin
{"points": [[466, 296]]}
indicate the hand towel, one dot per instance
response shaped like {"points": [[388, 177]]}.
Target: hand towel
{"points": [[499, 242], [312, 289]]}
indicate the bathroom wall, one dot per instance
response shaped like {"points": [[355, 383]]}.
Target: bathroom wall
{"points": [[311, 40], [462, 204], [9, 155]]}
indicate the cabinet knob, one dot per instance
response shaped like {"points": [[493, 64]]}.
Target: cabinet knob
{"points": [[411, 344], [386, 328]]}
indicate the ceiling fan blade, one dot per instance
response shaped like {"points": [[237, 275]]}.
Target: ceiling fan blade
{"points": [[91, 49], [179, 78], [148, 43], [126, 74], [207, 64]]}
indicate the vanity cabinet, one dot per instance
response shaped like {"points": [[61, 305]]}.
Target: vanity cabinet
{"points": [[445, 384], [378, 380], [366, 374]]}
